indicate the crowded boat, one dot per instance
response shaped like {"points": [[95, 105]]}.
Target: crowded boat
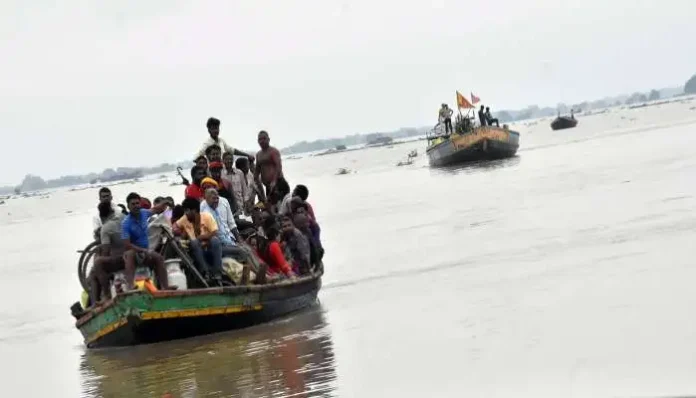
{"points": [[238, 222]]}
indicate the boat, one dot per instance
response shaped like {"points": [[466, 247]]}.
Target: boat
{"points": [[342, 171], [469, 143], [148, 315], [564, 122]]}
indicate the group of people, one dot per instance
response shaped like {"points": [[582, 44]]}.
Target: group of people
{"points": [[241, 208], [445, 117]]}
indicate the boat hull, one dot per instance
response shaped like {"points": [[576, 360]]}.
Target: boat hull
{"points": [[142, 317], [563, 122], [485, 143]]}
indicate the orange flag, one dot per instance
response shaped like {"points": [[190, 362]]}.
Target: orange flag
{"points": [[474, 99], [462, 102]]}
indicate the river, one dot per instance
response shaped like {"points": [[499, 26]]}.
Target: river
{"points": [[565, 271]]}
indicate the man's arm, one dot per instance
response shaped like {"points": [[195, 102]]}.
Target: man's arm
{"points": [[237, 152], [212, 227], [275, 157]]}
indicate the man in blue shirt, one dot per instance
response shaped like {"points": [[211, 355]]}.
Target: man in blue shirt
{"points": [[135, 240]]}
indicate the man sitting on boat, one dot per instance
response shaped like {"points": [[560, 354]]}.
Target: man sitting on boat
{"points": [[109, 258], [194, 190], [224, 187], [445, 116], [134, 233], [104, 197], [204, 245], [223, 206], [296, 246], [490, 119]]}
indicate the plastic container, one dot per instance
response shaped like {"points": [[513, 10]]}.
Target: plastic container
{"points": [[119, 283], [175, 275]]}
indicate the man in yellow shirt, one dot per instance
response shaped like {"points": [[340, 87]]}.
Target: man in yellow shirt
{"points": [[201, 230]]}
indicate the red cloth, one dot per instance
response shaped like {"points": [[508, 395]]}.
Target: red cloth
{"points": [[276, 260], [145, 203], [194, 191]]}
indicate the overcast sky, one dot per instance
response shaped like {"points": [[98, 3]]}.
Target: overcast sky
{"points": [[88, 84]]}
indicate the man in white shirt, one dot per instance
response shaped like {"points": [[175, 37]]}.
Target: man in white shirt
{"points": [[243, 184], [213, 126], [104, 197], [224, 210]]}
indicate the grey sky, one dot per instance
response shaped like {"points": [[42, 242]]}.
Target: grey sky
{"points": [[139, 78]]}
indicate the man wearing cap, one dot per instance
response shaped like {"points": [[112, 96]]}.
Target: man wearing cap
{"points": [[223, 207], [224, 186], [213, 126]]}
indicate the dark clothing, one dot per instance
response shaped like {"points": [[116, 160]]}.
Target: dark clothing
{"points": [[482, 117], [448, 125]]}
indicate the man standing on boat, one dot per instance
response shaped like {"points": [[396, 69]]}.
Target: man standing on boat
{"points": [[104, 197], [213, 126], [482, 116], [269, 168], [445, 116]]}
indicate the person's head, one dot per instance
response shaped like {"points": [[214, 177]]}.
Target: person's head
{"points": [[177, 212], [197, 174], [212, 198], [482, 107], [213, 153], [133, 203], [256, 213], [158, 200], [208, 182], [282, 188], [215, 170], [105, 195], [263, 139], [297, 205], [488, 109], [301, 221], [105, 210], [201, 162], [301, 191], [228, 160], [444, 106], [213, 126], [242, 164], [191, 208], [271, 228], [286, 224], [145, 203], [170, 200]]}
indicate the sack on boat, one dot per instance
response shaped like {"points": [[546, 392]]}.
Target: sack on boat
{"points": [[234, 270]]}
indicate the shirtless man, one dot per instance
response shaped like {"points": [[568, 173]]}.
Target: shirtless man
{"points": [[268, 168]]}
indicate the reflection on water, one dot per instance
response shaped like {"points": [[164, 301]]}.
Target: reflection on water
{"points": [[290, 357], [477, 166]]}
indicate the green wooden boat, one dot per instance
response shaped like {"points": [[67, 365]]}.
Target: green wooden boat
{"points": [[141, 317]]}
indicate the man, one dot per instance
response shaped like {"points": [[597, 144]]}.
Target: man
{"points": [[201, 230], [224, 186], [109, 258], [194, 190], [213, 126], [229, 238], [445, 116], [243, 187], [134, 233], [296, 246], [302, 192], [269, 168], [482, 116], [489, 119], [282, 193], [224, 207], [104, 197], [213, 153]]}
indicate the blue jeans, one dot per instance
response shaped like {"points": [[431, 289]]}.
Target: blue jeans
{"points": [[213, 252]]}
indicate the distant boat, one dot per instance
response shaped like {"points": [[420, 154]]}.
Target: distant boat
{"points": [[342, 171], [471, 143], [564, 122]]}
